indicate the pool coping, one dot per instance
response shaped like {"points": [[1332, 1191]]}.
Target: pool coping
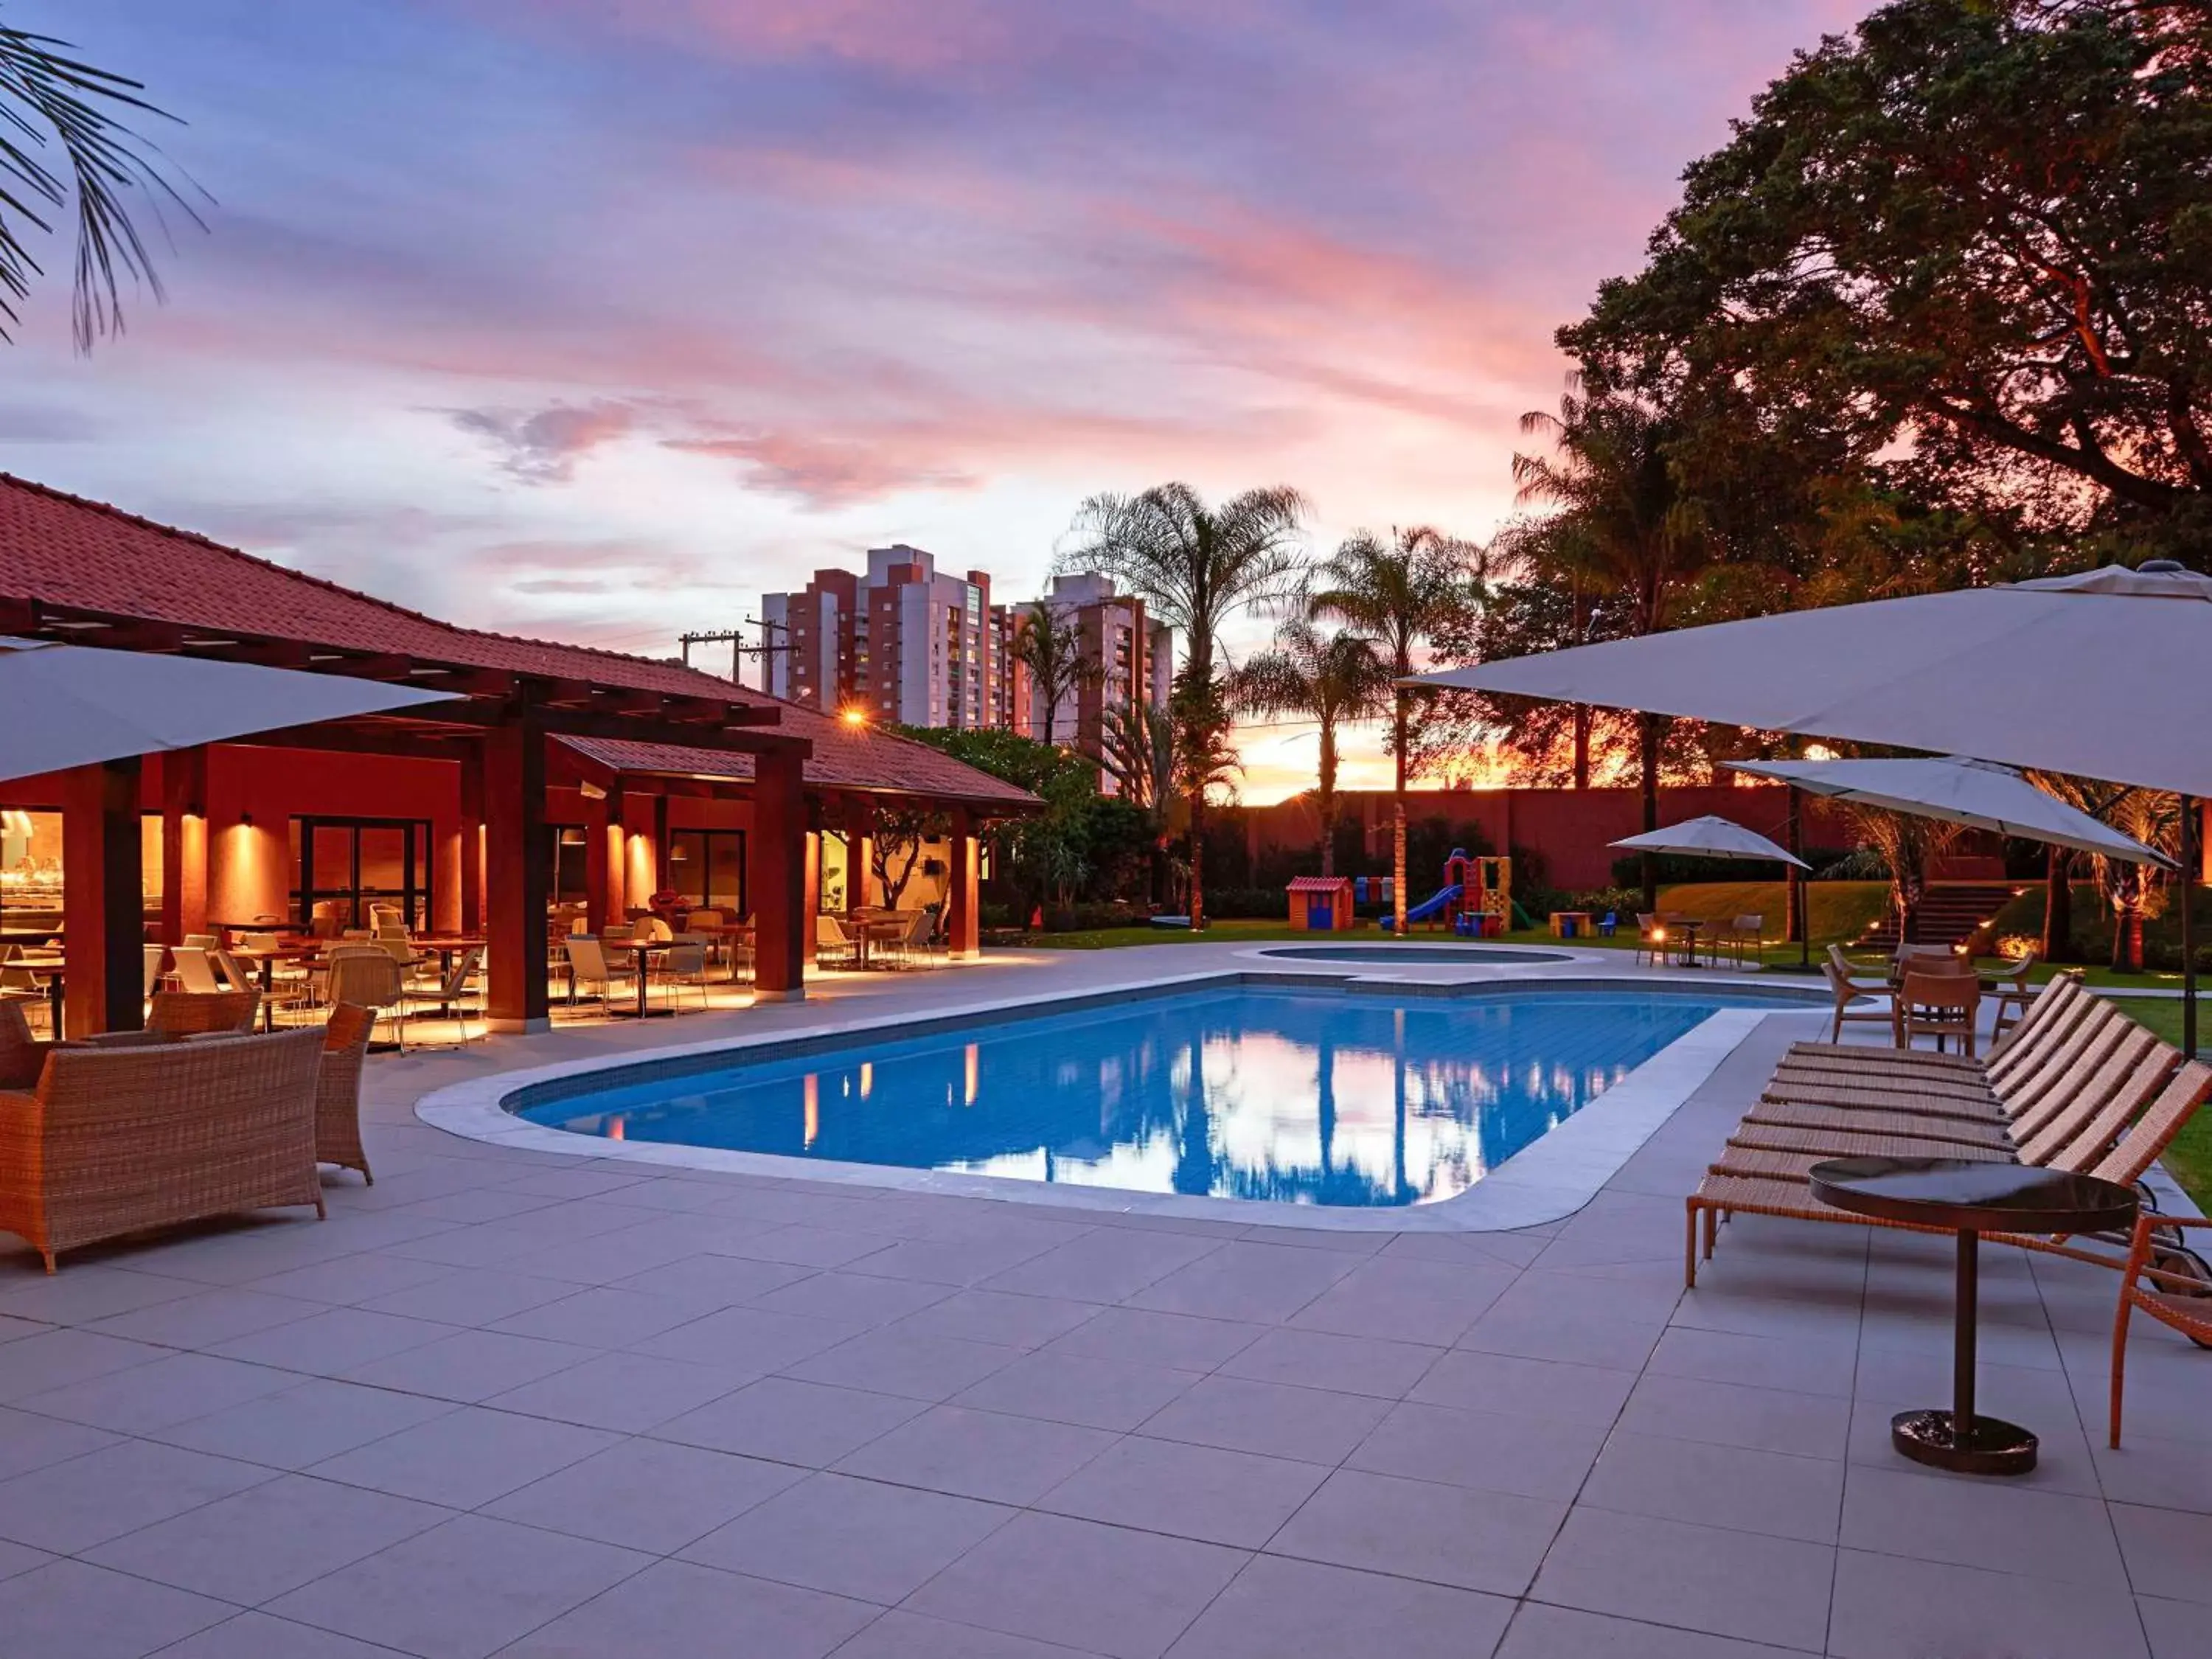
{"points": [[1551, 1177]]}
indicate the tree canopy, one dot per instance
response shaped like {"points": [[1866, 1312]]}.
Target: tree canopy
{"points": [[1970, 243]]}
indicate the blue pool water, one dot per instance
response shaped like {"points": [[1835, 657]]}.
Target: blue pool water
{"points": [[1323, 1097]]}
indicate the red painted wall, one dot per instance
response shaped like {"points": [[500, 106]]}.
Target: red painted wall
{"points": [[1572, 828]]}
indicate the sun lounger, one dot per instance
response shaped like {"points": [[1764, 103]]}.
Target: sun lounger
{"points": [[2125, 1159]]}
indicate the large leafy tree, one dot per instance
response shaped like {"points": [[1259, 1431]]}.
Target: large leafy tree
{"points": [[1636, 537], [1050, 651], [50, 101], [1332, 679], [1404, 593], [1196, 566], [1976, 233]]}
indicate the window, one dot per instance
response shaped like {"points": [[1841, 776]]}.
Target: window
{"points": [[707, 867], [350, 864]]}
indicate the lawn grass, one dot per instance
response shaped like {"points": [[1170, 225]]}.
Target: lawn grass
{"points": [[2190, 1157]]}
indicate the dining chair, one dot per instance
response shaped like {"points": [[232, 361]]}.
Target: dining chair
{"points": [[832, 940], [1943, 1005], [371, 980], [452, 993], [589, 969], [194, 971], [684, 962], [155, 956]]}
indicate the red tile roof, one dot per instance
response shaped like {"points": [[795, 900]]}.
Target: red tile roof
{"points": [[60, 549]]}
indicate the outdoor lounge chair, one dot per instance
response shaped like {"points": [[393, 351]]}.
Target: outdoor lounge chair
{"points": [[2019, 1093], [2090, 1112], [117, 1140], [1721, 1195]]}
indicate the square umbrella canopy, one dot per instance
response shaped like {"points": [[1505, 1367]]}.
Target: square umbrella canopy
{"points": [[2098, 675], [1977, 793], [76, 705], [1712, 837]]}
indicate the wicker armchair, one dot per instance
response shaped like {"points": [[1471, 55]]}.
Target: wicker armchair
{"points": [[177, 1015], [338, 1088], [22, 1056], [119, 1140]]}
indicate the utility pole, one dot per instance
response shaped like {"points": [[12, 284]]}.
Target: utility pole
{"points": [[735, 639]]}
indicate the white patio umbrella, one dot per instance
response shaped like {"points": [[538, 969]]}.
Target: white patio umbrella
{"points": [[1712, 838], [1979, 794], [75, 705], [2099, 675], [2064, 675]]}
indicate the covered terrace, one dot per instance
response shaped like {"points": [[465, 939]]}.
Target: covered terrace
{"points": [[459, 812]]}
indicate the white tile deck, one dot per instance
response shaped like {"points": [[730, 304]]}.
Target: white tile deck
{"points": [[511, 1401]]}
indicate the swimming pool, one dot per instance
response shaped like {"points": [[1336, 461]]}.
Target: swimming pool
{"points": [[1338, 1096]]}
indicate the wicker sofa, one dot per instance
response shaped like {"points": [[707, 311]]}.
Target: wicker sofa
{"points": [[116, 1140]]}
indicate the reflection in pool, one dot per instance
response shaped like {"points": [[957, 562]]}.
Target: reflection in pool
{"points": [[1336, 1096]]}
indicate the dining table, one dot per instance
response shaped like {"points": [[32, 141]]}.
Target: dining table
{"points": [[642, 949], [50, 967], [871, 926], [267, 957], [726, 933]]}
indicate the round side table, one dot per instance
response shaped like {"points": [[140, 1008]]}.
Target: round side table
{"points": [[1970, 1199]]}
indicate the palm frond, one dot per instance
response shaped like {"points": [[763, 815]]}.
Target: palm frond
{"points": [[45, 97]]}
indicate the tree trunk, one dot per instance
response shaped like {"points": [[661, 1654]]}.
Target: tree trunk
{"points": [[2059, 909], [1398, 826], [1198, 861], [1325, 801], [1647, 761], [1581, 745]]}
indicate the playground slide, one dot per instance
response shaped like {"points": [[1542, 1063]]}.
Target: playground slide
{"points": [[1428, 909]]}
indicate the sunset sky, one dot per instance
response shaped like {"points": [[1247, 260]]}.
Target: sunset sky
{"points": [[592, 318]]}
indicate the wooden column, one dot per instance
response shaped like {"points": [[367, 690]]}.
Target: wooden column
{"points": [[103, 899], [811, 896], [518, 870], [661, 878], [860, 847], [184, 844], [963, 919], [472, 840], [775, 877]]}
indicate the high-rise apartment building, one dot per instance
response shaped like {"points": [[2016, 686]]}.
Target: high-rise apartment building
{"points": [[1134, 655], [902, 643]]}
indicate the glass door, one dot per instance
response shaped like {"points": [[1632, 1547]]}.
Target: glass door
{"points": [[707, 867], [341, 867]]}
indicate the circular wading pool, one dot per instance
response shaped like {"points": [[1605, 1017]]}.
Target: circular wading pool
{"points": [[1472, 956]]}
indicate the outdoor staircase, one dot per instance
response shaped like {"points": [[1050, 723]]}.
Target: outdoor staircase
{"points": [[1949, 911]]}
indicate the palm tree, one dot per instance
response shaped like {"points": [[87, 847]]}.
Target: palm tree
{"points": [[1327, 678], [1642, 538], [1195, 567], [1137, 741], [1403, 593], [1048, 647], [44, 95]]}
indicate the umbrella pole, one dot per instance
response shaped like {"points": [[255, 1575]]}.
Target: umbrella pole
{"points": [[2189, 874], [1796, 876]]}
